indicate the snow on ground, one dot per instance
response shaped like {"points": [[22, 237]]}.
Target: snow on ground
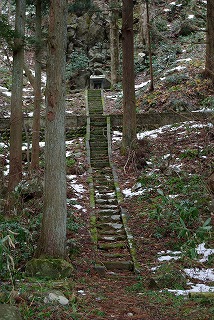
{"points": [[203, 274], [181, 129]]}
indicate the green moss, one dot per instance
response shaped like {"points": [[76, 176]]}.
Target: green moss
{"points": [[93, 229], [49, 268]]}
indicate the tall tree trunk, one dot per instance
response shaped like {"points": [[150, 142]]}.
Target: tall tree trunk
{"points": [[149, 48], [37, 90], [15, 173], [209, 64], [143, 32], [129, 109], [114, 41], [53, 232]]}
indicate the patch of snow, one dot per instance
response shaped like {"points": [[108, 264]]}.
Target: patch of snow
{"points": [[178, 68], [29, 114], [78, 188], [201, 250], [203, 110], [199, 287], [82, 292], [143, 84], [184, 60], [167, 258], [200, 274], [42, 144]]}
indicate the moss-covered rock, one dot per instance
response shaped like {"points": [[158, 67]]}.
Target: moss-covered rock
{"points": [[49, 268], [168, 276], [8, 312]]}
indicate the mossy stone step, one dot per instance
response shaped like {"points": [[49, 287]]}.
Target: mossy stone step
{"points": [[94, 95], [109, 232], [109, 212], [97, 122], [110, 228], [101, 188], [105, 171], [95, 143], [105, 195], [98, 138], [99, 153], [103, 181], [109, 201], [109, 218], [95, 112], [117, 255], [111, 237], [98, 130], [112, 207], [115, 245], [101, 164], [98, 141], [119, 265]]}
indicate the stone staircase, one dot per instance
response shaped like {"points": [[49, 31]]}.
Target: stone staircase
{"points": [[112, 240]]}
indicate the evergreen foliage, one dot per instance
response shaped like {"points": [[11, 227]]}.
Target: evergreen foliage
{"points": [[81, 7], [6, 32]]}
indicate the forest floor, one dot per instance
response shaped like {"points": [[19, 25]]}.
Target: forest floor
{"points": [[166, 195], [165, 190]]}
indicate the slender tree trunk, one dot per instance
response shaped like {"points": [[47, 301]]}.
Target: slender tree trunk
{"points": [[29, 75], [114, 41], [129, 109], [15, 173], [209, 64], [149, 48], [53, 232], [143, 32], [37, 90]]}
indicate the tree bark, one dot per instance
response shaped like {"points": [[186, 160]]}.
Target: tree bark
{"points": [[37, 90], [149, 48], [129, 109], [15, 172], [53, 231], [209, 64], [29, 75], [143, 32], [114, 42]]}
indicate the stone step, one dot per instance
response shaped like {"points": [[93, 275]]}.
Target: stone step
{"points": [[115, 245], [98, 131], [110, 228], [111, 237], [98, 140], [109, 218], [98, 122], [119, 265], [108, 201], [108, 206], [106, 195], [103, 181], [123, 256], [98, 144], [110, 231], [99, 164], [99, 153], [109, 212]]}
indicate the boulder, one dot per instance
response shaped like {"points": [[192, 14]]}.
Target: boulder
{"points": [[8, 312], [56, 297], [49, 268]]}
